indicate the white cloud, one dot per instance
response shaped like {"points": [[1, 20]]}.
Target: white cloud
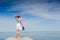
{"points": [[7, 24], [38, 9]]}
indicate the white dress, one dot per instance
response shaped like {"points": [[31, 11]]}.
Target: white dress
{"points": [[18, 26]]}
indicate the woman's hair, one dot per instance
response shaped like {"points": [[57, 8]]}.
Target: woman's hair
{"points": [[18, 16]]}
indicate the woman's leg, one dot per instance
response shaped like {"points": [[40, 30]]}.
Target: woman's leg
{"points": [[18, 33]]}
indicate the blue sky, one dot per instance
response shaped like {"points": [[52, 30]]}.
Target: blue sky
{"points": [[37, 15]]}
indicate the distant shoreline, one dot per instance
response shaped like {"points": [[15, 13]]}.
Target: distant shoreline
{"points": [[37, 31]]}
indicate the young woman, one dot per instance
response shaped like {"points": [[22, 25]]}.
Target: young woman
{"points": [[19, 25]]}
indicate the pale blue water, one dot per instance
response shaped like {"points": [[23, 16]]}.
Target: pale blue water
{"points": [[41, 35]]}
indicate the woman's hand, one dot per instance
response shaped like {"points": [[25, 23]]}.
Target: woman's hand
{"points": [[23, 28]]}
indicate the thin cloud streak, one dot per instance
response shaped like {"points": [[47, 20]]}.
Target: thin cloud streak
{"points": [[40, 10]]}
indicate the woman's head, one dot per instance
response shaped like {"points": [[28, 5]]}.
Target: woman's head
{"points": [[18, 16]]}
